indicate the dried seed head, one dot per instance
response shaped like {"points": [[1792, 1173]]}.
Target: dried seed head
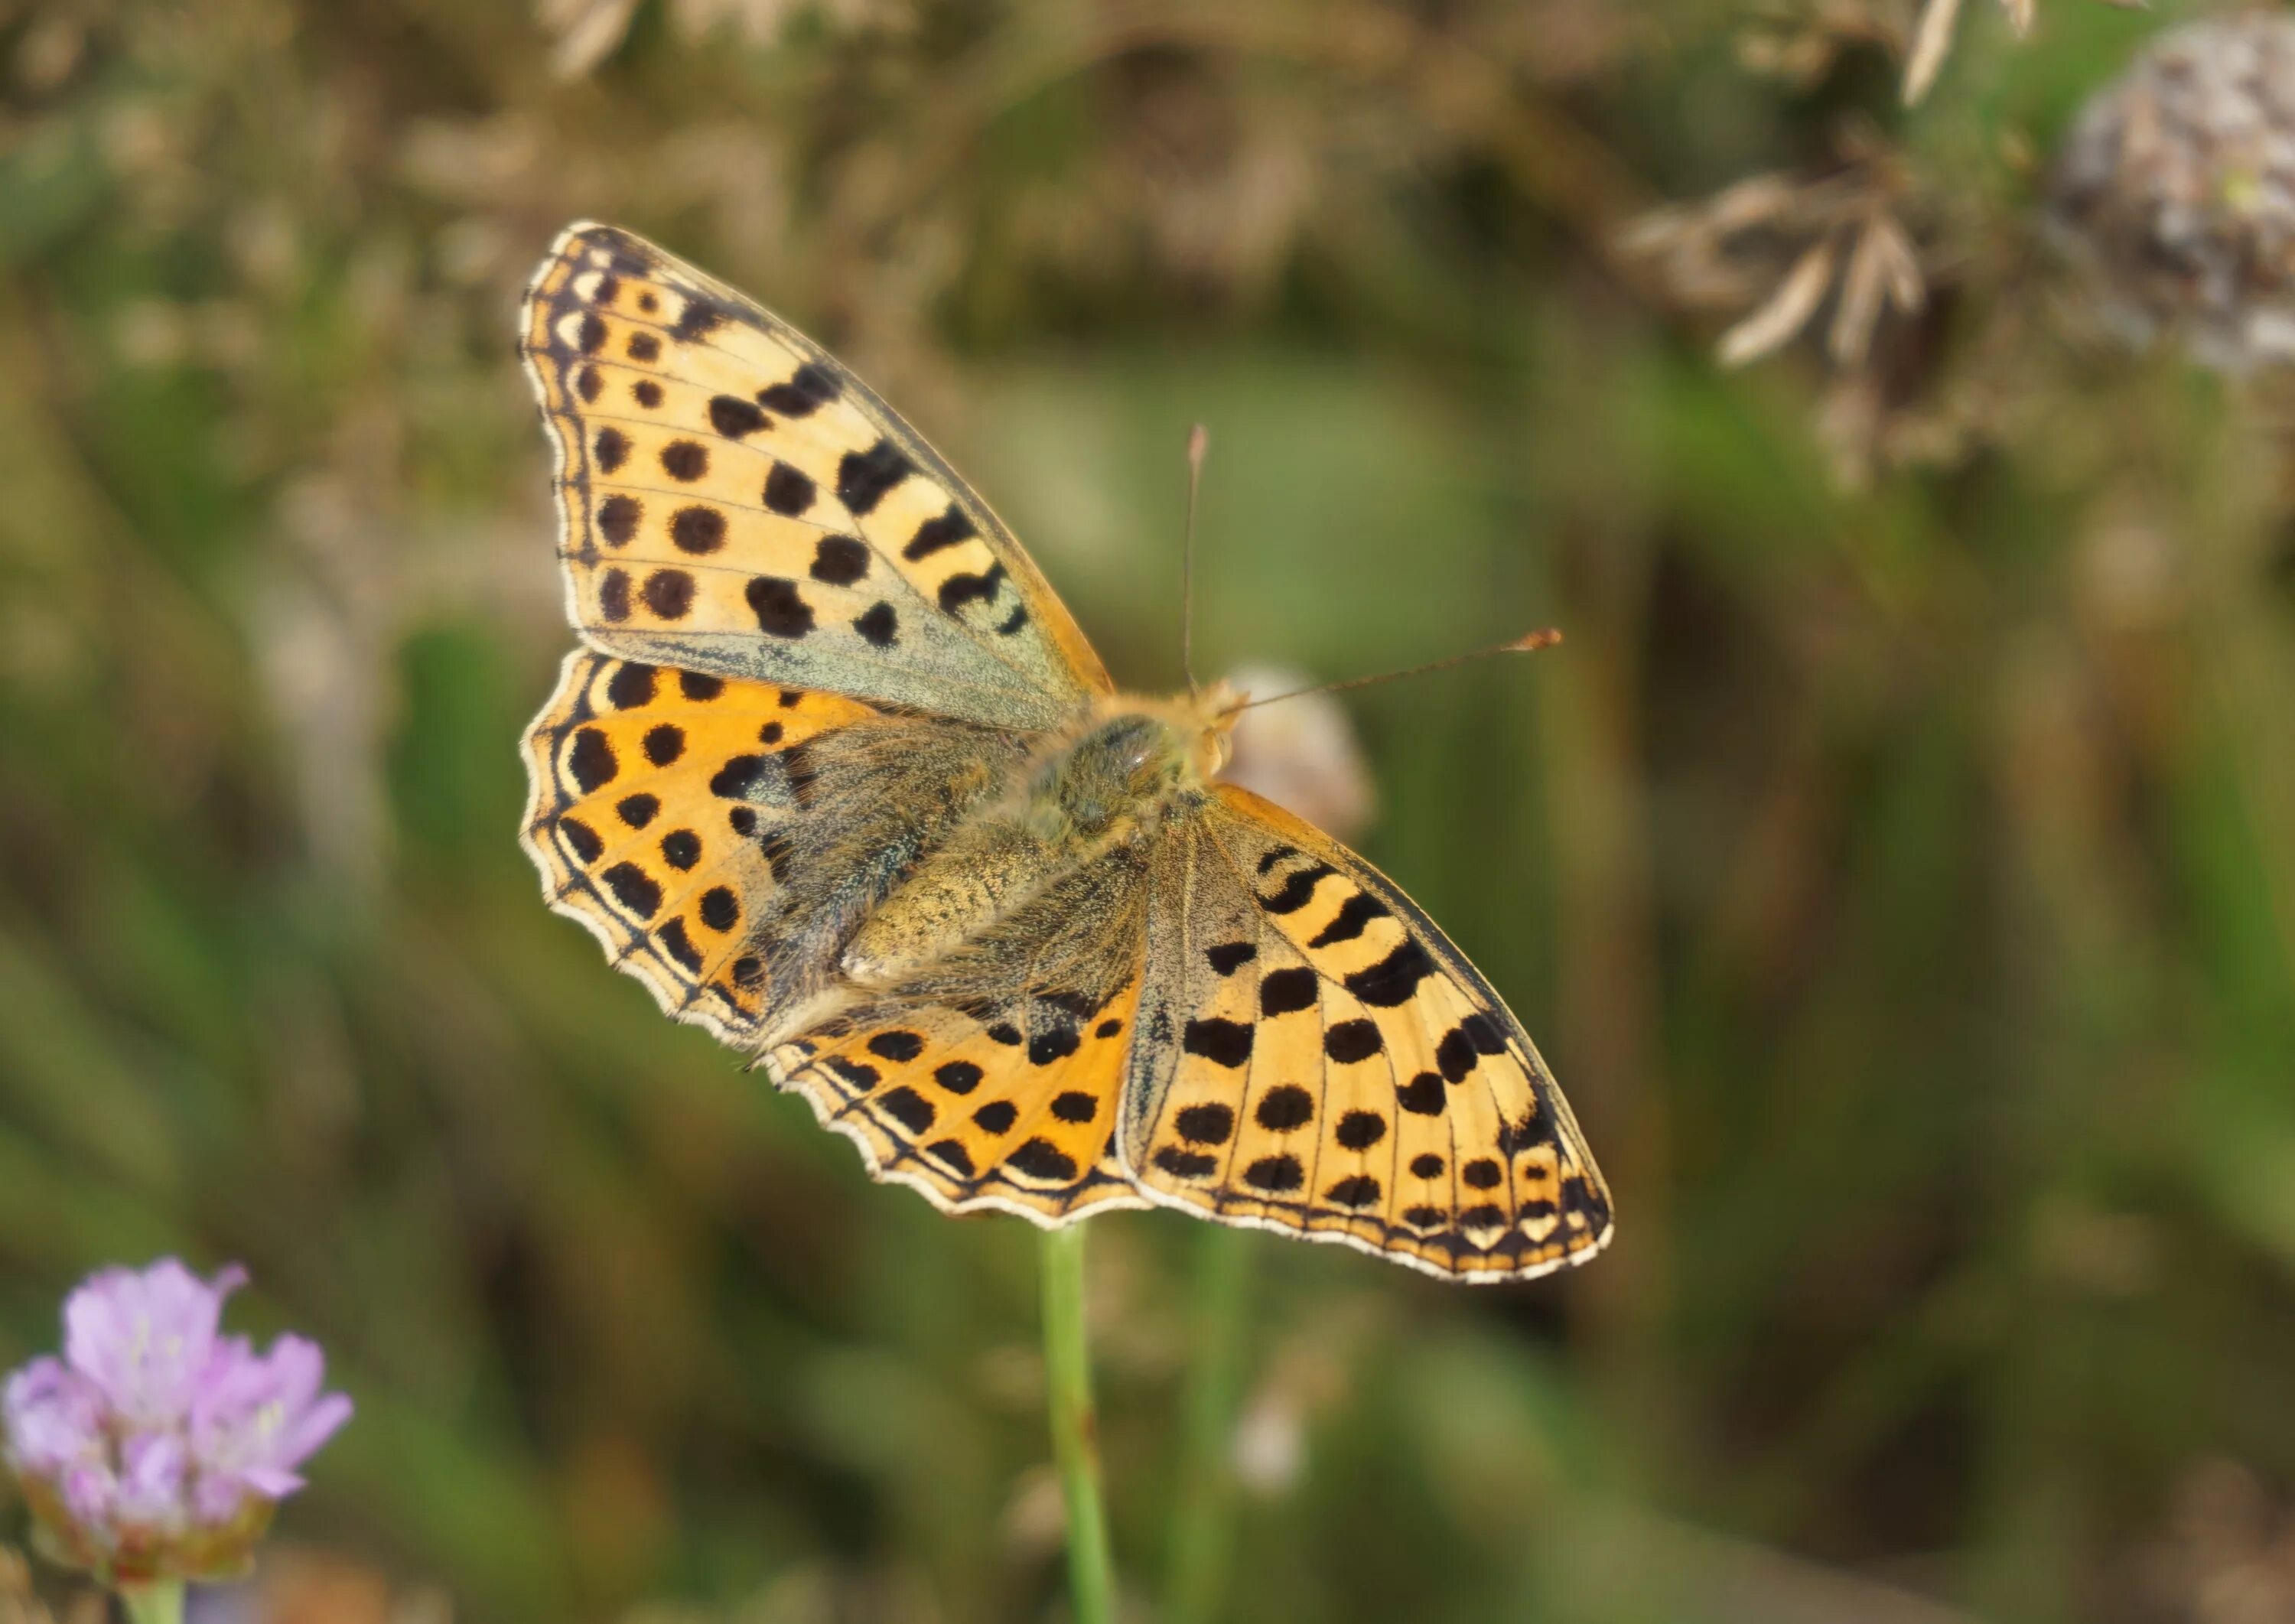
{"points": [[1775, 250], [2176, 191]]}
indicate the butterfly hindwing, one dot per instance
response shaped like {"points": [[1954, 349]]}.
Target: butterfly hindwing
{"points": [[734, 501], [629, 820], [994, 1078], [1330, 1065]]}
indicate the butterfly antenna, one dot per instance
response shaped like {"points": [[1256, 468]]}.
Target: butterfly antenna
{"points": [[1199, 446], [1545, 638]]}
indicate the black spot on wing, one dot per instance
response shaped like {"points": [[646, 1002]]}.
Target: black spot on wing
{"points": [[697, 529], [1394, 979], [720, 909], [1185, 1163], [669, 593], [934, 533], [864, 478], [1483, 1033], [1356, 912], [1455, 1056], [790, 492], [1359, 1130], [958, 1076], [1285, 990], [1298, 888], [1205, 1125], [699, 319], [738, 778], [592, 761], [808, 389], [1348, 1042], [583, 840], [1041, 1159], [632, 888], [958, 590], [908, 1107], [617, 519], [632, 685], [1275, 1174], [1055, 1044], [780, 607], [840, 560], [878, 624], [734, 418], [1360, 1191], [663, 745], [614, 596], [1229, 956], [679, 946], [1221, 1041], [1285, 1107], [1523, 1132], [1423, 1094]]}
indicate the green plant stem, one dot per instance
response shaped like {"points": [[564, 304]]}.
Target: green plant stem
{"points": [[1203, 1525], [1075, 1428], [160, 1601]]}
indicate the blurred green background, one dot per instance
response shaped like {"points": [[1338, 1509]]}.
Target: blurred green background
{"points": [[1897, 863]]}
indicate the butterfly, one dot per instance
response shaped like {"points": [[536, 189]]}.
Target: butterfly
{"points": [[835, 775]]}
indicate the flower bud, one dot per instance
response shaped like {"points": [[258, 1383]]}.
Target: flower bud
{"points": [[2176, 191]]}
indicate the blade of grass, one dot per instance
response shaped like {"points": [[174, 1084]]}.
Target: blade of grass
{"points": [[1076, 1426], [159, 1603], [1202, 1527]]}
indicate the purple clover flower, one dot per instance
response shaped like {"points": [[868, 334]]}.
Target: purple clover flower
{"points": [[158, 1448]]}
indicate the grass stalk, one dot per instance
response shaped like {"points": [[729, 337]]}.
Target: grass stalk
{"points": [[1202, 1523], [1076, 1426], [160, 1601]]}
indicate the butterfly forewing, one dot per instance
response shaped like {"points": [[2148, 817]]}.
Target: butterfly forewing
{"points": [[1330, 1065], [734, 501]]}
